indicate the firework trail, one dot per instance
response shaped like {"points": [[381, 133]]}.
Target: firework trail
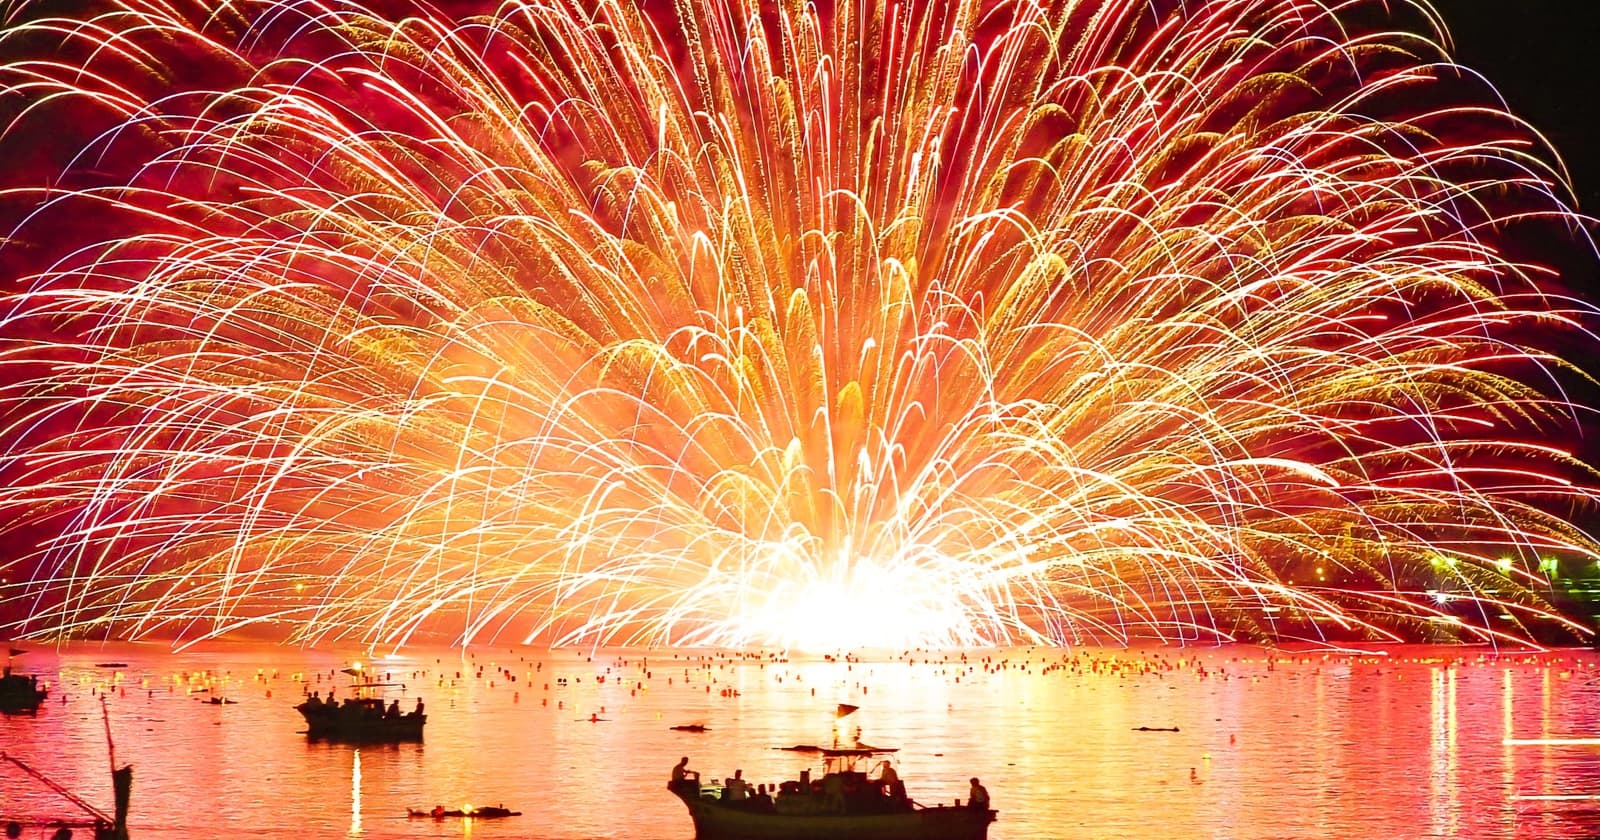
{"points": [[870, 323]]}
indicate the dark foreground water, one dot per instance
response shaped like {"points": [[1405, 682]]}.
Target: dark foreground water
{"points": [[1413, 742]]}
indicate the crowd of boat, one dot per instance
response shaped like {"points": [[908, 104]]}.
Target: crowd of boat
{"points": [[840, 803]]}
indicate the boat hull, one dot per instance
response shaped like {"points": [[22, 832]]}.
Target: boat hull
{"points": [[716, 821], [355, 725], [20, 695], [476, 814], [20, 705]]}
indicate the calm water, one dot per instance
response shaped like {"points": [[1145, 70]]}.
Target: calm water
{"points": [[1408, 744]]}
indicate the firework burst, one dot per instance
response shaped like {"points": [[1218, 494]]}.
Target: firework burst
{"points": [[870, 323]]}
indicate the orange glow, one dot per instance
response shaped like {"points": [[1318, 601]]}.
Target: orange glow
{"points": [[865, 323]]}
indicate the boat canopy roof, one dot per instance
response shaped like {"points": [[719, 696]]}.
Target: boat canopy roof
{"points": [[857, 751], [855, 760]]}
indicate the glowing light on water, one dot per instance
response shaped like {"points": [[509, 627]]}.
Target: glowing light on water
{"points": [[961, 322], [355, 793]]}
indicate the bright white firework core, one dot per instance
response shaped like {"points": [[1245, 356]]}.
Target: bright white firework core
{"points": [[866, 604]]}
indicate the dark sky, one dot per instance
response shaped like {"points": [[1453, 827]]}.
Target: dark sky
{"points": [[1544, 58]]}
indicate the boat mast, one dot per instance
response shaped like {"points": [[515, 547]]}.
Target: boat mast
{"points": [[53, 785], [121, 781], [111, 747]]}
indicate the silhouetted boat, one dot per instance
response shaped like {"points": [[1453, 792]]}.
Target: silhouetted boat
{"points": [[113, 826], [843, 805], [363, 717], [486, 813], [360, 719], [20, 694]]}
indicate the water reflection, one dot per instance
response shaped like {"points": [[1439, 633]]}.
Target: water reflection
{"points": [[1070, 745], [1445, 806], [355, 792]]}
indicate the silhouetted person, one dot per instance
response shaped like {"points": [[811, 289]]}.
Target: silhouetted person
{"points": [[833, 792], [418, 710], [682, 775], [978, 796], [887, 779], [13, 830], [737, 789]]}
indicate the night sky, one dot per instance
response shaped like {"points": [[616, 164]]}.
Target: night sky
{"points": [[1544, 57]]}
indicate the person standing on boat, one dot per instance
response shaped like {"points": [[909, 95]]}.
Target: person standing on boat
{"points": [[978, 796], [887, 777], [889, 781], [833, 793], [737, 790]]}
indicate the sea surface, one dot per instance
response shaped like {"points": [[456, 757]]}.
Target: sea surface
{"points": [[1399, 742]]}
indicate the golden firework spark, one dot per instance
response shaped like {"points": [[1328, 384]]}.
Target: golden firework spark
{"points": [[886, 324]]}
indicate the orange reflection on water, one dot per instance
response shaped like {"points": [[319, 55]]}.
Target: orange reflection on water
{"points": [[1069, 744]]}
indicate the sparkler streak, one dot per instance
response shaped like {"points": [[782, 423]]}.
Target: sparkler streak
{"points": [[975, 322]]}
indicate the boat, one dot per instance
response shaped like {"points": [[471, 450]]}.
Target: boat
{"points": [[20, 694], [113, 826], [439, 812], [361, 719], [843, 804]]}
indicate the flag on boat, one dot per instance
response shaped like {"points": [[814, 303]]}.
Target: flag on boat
{"points": [[844, 710]]}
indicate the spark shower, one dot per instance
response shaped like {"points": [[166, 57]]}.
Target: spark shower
{"points": [[835, 324]]}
